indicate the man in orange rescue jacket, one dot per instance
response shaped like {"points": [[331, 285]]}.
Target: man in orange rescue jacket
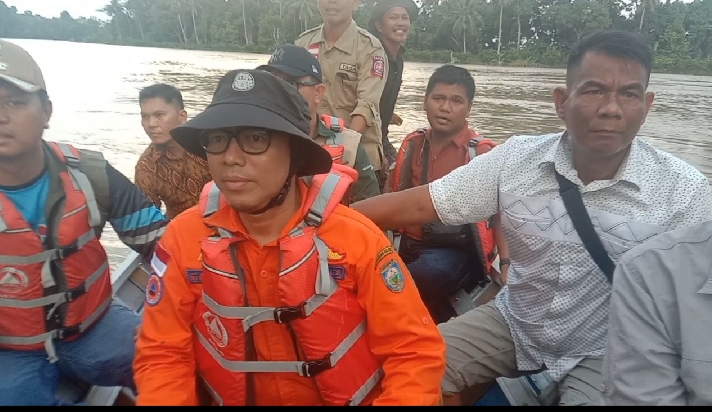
{"points": [[443, 259], [270, 292]]}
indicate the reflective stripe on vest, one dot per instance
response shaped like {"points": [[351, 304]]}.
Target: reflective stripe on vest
{"points": [[325, 287], [57, 333], [82, 183]]}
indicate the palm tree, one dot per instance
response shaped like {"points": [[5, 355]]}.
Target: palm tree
{"points": [[502, 3], [467, 19], [114, 10], [305, 10]]}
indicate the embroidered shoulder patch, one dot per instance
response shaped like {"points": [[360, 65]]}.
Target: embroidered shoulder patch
{"points": [[154, 290], [334, 256], [379, 67], [383, 253], [314, 49], [194, 276], [159, 260], [337, 272], [393, 276]]}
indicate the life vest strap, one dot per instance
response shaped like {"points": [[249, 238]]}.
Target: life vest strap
{"points": [[61, 333], [213, 200], [57, 298], [82, 183], [48, 256], [316, 212], [472, 146], [366, 388], [3, 225], [305, 369]]}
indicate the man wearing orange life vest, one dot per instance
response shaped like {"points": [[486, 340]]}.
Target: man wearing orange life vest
{"points": [[444, 259], [298, 67], [57, 315], [270, 292]]}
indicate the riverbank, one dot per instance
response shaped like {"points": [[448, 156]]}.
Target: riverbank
{"points": [[548, 58]]}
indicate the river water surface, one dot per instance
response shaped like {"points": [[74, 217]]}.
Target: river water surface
{"points": [[95, 87]]}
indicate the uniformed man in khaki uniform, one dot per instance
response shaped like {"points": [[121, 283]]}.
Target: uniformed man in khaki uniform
{"points": [[355, 68]]}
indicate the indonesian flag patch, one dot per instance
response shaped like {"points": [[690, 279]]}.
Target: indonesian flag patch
{"points": [[314, 49], [379, 67], [159, 261]]}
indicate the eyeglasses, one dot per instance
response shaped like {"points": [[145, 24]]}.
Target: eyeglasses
{"points": [[297, 83], [250, 141]]}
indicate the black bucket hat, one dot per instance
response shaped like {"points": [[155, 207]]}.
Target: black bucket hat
{"points": [[384, 5], [259, 99]]}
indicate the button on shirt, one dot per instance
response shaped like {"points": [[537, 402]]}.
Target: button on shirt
{"points": [[658, 349], [556, 298]]}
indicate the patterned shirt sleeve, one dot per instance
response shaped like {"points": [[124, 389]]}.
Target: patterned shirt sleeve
{"points": [[470, 193], [136, 220], [144, 180], [699, 208]]}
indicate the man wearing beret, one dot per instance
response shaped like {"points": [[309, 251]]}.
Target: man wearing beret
{"points": [[269, 291], [390, 22]]}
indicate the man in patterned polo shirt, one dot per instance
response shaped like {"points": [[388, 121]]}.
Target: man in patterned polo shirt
{"points": [[553, 312], [165, 172]]}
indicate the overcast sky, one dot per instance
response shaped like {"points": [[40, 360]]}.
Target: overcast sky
{"points": [[52, 8]]}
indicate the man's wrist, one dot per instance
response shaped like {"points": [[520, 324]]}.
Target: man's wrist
{"points": [[504, 261]]}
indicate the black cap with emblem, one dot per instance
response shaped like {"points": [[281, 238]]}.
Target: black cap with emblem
{"points": [[382, 6], [294, 61], [257, 99]]}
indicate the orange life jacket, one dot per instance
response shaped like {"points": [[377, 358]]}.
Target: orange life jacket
{"points": [[335, 147], [56, 291], [402, 179], [329, 324]]}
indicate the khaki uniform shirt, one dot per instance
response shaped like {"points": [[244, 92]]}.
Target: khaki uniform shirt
{"points": [[355, 70], [176, 182]]}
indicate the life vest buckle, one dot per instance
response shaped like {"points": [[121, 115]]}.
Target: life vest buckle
{"points": [[76, 293], [290, 313], [314, 368], [67, 332], [68, 250]]}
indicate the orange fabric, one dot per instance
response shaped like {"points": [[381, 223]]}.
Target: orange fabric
{"points": [[452, 155], [20, 240], [401, 333]]}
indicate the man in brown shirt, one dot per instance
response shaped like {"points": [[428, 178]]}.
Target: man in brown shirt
{"points": [[355, 69], [165, 172]]}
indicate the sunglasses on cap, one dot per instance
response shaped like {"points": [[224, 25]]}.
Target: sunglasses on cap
{"points": [[250, 141]]}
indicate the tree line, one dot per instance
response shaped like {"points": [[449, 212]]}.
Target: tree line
{"points": [[508, 32]]}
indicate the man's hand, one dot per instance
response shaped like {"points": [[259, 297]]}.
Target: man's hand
{"points": [[396, 120]]}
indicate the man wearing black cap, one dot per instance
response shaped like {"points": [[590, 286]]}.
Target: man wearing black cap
{"points": [[273, 292], [390, 21], [298, 67]]}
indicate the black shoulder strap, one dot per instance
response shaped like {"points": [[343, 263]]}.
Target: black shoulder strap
{"points": [[582, 223]]}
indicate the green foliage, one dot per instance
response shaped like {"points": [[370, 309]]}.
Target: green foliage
{"points": [[532, 33]]}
